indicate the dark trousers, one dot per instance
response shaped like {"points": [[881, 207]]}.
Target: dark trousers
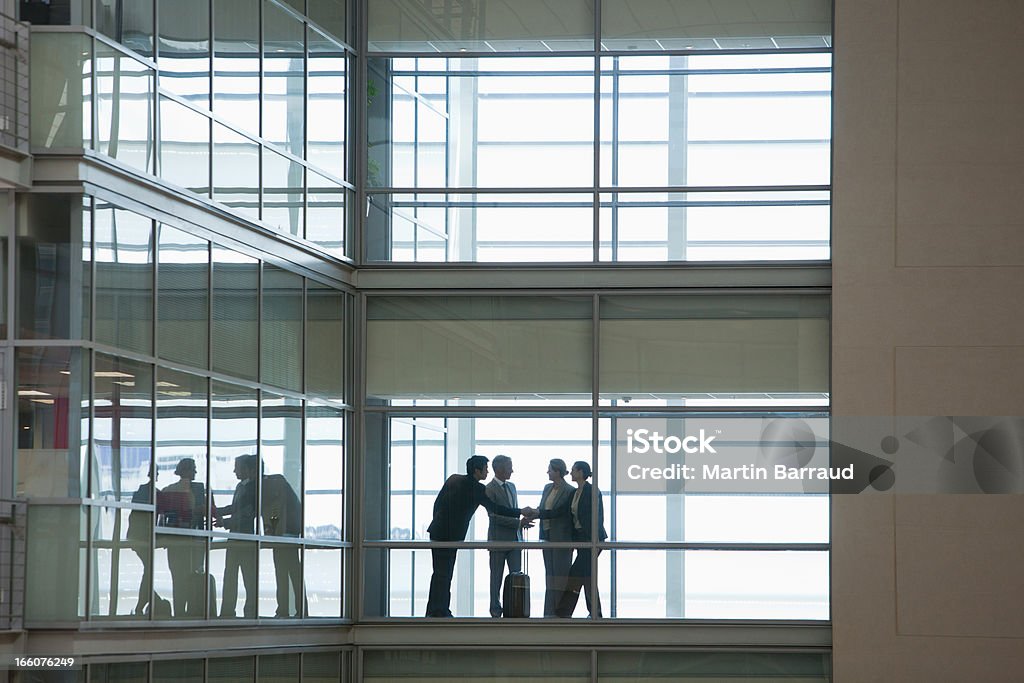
{"points": [[240, 555], [499, 558], [440, 598], [579, 577], [556, 572], [288, 576]]}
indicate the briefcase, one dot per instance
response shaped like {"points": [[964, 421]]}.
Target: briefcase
{"points": [[515, 596]]}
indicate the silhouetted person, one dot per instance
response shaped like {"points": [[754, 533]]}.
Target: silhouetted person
{"points": [[183, 505], [454, 506], [240, 555], [282, 516]]}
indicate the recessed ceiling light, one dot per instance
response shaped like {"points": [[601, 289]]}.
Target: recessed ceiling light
{"points": [[32, 392]]}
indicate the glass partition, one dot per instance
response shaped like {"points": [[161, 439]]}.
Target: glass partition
{"points": [[124, 108], [61, 91]]}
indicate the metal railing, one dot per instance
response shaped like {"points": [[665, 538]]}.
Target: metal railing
{"points": [[14, 46], [12, 564]]}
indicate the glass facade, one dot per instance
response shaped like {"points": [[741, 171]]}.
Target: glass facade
{"points": [[217, 434]]}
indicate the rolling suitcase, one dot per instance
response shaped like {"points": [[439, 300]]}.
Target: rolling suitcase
{"points": [[515, 593]]}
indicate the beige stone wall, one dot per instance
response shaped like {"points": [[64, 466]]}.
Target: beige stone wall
{"points": [[928, 251]]}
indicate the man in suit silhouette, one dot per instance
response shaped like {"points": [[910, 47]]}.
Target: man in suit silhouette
{"points": [[453, 509], [501, 528]]}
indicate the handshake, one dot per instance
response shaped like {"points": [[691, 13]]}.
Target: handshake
{"points": [[529, 514]]}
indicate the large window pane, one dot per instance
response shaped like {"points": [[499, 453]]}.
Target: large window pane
{"points": [[236, 171], [184, 45], [181, 431], [123, 423], [124, 89], [236, 63], [183, 297], [325, 214], [53, 422], [479, 348], [236, 279], [330, 14], [124, 279], [57, 567], [284, 95], [323, 584], [715, 226], [281, 450], [699, 584], [184, 147], [281, 589], [283, 185], [714, 349], [121, 563], [714, 25], [481, 227], [54, 260], [326, 341], [61, 90], [235, 562], [326, 103], [410, 25], [129, 22], [281, 340], [233, 434], [325, 472]]}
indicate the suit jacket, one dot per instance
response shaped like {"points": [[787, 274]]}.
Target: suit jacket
{"points": [[502, 528], [455, 504], [242, 511], [585, 512], [561, 526], [282, 511]]}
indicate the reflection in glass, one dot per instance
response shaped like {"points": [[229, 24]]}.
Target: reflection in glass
{"points": [[281, 338], [282, 192], [129, 22], [281, 589], [326, 103], [323, 582], [121, 563], [233, 433], [53, 421], [180, 574], [184, 147], [236, 63], [284, 52], [124, 88], [122, 446], [183, 298], [236, 171], [228, 558], [184, 46], [235, 313], [54, 267], [325, 467], [325, 214], [181, 419], [124, 278], [60, 90]]}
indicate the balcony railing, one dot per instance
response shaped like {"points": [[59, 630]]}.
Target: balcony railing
{"points": [[14, 44]]}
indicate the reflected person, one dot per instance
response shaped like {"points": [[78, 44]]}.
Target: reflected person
{"points": [[454, 506], [556, 494], [282, 516], [240, 555], [183, 505]]}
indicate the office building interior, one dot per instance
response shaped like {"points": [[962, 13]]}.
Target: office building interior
{"points": [[272, 270]]}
